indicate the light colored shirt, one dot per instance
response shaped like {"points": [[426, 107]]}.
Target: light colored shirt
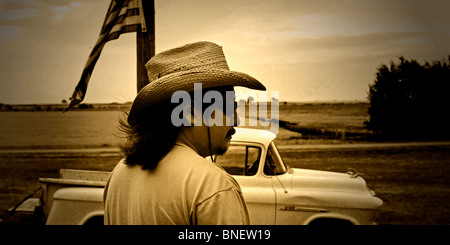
{"points": [[183, 189]]}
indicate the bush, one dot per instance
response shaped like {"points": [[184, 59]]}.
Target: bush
{"points": [[85, 106], [410, 101]]}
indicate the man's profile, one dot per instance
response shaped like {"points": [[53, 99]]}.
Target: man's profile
{"points": [[164, 177]]}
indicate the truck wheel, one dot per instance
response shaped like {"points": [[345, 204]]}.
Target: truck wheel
{"points": [[95, 220], [329, 221]]}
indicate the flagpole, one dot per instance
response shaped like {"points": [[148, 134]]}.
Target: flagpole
{"points": [[145, 43]]}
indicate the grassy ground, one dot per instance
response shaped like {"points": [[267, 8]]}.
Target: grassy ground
{"points": [[412, 181], [331, 116]]}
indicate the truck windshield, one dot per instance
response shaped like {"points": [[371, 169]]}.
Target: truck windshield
{"points": [[274, 165]]}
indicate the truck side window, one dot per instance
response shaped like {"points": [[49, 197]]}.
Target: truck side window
{"points": [[240, 160], [272, 166]]}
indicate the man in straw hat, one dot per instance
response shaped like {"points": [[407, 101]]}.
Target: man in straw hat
{"points": [[164, 177]]}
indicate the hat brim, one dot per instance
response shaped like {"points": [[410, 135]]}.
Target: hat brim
{"points": [[162, 88]]}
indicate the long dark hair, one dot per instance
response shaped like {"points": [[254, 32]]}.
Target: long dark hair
{"points": [[149, 140]]}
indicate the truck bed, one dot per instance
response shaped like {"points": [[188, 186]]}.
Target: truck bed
{"points": [[70, 178]]}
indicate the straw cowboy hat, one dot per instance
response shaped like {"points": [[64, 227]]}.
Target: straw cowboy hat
{"points": [[179, 68]]}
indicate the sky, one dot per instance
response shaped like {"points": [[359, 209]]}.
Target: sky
{"points": [[307, 50]]}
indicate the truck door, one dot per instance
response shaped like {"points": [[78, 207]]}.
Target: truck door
{"points": [[277, 170], [243, 162]]}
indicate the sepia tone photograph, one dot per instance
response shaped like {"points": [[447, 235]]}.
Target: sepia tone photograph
{"points": [[239, 112]]}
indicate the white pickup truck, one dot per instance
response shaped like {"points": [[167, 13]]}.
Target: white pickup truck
{"points": [[275, 194]]}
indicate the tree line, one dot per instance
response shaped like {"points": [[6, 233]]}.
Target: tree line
{"points": [[410, 101]]}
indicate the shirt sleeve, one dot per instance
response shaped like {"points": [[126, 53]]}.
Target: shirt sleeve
{"points": [[226, 207]]}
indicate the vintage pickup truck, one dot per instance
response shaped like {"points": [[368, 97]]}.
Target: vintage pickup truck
{"points": [[275, 193]]}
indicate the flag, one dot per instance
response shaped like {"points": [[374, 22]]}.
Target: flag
{"points": [[123, 16]]}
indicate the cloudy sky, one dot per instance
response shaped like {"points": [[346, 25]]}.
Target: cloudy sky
{"points": [[308, 50]]}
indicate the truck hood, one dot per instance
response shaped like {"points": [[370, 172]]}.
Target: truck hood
{"points": [[331, 188], [324, 180]]}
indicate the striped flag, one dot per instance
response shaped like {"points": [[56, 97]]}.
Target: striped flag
{"points": [[122, 16]]}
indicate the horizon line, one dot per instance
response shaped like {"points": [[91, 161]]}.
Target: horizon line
{"points": [[130, 102]]}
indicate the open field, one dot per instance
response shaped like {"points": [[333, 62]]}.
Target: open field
{"points": [[412, 181], [331, 116]]}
